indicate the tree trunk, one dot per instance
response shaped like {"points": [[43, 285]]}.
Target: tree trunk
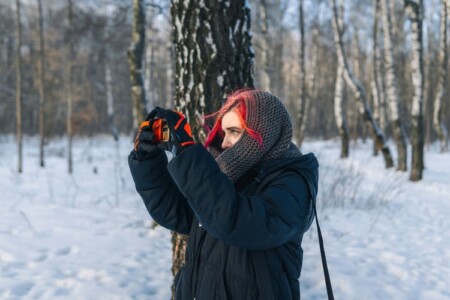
{"points": [[358, 89], [415, 12], [110, 102], [265, 73], [19, 88], [310, 89], [439, 125], [41, 78], [149, 84], [213, 56], [392, 93], [302, 78], [354, 116], [69, 84], [375, 75], [276, 55], [135, 54], [339, 110]]}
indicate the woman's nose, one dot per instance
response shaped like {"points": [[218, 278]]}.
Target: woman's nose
{"points": [[226, 143]]}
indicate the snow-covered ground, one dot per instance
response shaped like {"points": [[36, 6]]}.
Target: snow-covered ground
{"points": [[88, 235]]}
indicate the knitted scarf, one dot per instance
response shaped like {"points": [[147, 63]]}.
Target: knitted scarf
{"points": [[267, 115]]}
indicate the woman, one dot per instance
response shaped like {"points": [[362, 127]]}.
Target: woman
{"points": [[245, 203]]}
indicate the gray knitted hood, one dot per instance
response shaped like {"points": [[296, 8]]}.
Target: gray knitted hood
{"points": [[267, 115]]}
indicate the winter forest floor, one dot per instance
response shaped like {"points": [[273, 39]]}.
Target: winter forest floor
{"points": [[88, 235]]}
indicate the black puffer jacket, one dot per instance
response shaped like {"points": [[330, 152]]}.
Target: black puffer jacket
{"points": [[244, 238]]}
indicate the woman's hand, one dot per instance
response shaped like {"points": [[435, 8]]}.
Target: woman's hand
{"points": [[180, 130]]}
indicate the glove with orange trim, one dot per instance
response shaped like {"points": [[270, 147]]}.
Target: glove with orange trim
{"points": [[180, 130], [145, 144]]}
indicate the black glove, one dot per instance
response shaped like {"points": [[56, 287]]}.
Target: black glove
{"points": [[180, 130], [144, 145]]}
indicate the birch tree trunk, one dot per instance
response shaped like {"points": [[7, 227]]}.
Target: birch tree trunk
{"points": [[310, 89], [135, 55], [41, 78], [439, 125], [415, 12], [19, 88], [354, 120], [392, 93], [339, 111], [69, 85], [375, 63], [357, 88], [213, 56], [110, 101], [149, 60], [302, 78]]}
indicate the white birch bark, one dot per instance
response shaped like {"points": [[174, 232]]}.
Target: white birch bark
{"points": [[438, 123], [375, 63], [448, 8], [110, 102], [135, 55], [415, 11], [339, 111], [354, 114], [149, 60], [358, 89], [391, 86]]}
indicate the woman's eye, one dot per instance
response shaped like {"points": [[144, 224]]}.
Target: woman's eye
{"points": [[235, 132]]}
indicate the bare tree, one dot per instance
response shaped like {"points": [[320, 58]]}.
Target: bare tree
{"points": [[358, 89], [375, 82], [41, 78], [150, 46], [19, 88], [439, 125], [302, 77], [310, 91], [135, 58], [380, 109], [213, 56], [277, 35], [415, 12], [392, 93], [69, 84], [264, 46], [339, 110]]}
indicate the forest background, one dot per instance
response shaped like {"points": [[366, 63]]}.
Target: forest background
{"points": [[365, 70], [77, 51]]}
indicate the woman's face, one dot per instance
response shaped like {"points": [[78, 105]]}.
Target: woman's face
{"points": [[231, 126]]}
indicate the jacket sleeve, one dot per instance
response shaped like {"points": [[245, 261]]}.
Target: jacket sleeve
{"points": [[277, 215], [162, 198]]}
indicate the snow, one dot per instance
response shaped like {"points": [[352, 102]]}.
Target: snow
{"points": [[88, 235]]}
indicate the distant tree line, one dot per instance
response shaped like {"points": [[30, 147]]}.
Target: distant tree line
{"points": [[295, 57]]}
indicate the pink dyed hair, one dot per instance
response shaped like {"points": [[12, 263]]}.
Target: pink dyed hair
{"points": [[235, 102]]}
